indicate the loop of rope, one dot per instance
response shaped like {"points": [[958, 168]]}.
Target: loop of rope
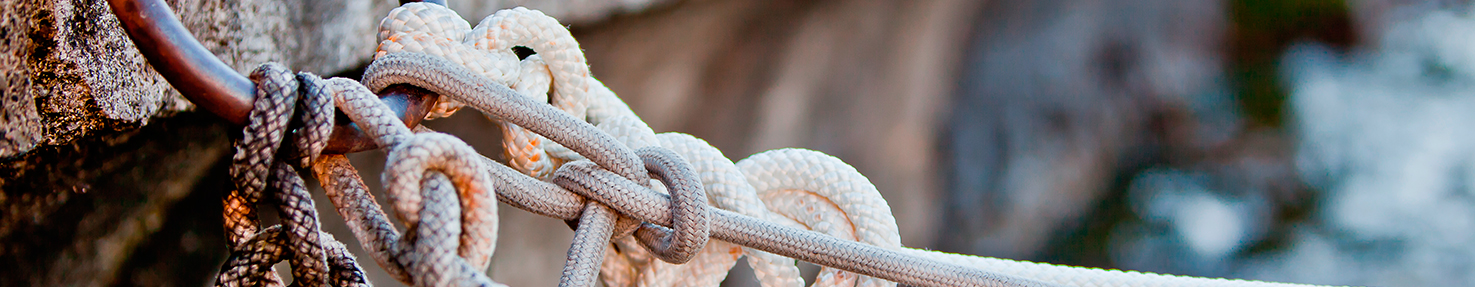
{"points": [[443, 200], [299, 236], [689, 232], [433, 153], [691, 222], [256, 150]]}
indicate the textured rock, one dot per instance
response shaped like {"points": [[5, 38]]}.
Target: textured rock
{"points": [[18, 118], [86, 76]]}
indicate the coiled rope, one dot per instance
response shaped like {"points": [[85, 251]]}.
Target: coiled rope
{"points": [[585, 158]]}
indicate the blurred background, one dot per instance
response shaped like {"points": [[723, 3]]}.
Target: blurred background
{"points": [[1305, 141]]}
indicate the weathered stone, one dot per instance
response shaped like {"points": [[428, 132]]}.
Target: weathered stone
{"points": [[86, 75], [18, 118]]}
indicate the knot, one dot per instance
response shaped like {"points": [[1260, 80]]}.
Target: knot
{"points": [[691, 220], [256, 163], [687, 214], [315, 120], [257, 147], [431, 153], [439, 189]]}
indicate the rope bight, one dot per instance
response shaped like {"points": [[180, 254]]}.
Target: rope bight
{"points": [[680, 212]]}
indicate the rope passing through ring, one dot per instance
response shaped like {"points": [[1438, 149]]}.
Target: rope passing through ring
{"points": [[253, 249]]}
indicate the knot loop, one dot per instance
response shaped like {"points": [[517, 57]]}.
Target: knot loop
{"points": [[686, 206], [438, 187], [690, 219], [254, 164], [686, 212], [315, 118], [410, 165]]}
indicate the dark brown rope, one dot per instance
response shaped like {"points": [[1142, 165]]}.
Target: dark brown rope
{"points": [[256, 166]]}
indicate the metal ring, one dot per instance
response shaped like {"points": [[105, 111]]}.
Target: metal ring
{"points": [[216, 87]]}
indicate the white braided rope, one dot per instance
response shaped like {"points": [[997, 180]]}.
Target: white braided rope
{"points": [[800, 188]]}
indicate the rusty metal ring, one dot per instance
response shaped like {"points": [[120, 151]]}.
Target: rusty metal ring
{"points": [[212, 85]]}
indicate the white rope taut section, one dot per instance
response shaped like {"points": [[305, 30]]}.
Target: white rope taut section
{"points": [[680, 213]]}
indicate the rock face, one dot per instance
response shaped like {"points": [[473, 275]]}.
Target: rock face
{"points": [[18, 118], [85, 76]]}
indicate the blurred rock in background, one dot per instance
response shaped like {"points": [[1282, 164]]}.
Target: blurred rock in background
{"points": [[1059, 98]]}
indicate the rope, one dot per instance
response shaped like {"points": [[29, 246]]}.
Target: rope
{"points": [[628, 197], [584, 158], [299, 236]]}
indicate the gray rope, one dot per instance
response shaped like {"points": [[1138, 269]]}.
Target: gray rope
{"points": [[257, 255], [449, 79], [596, 225], [443, 245], [691, 222], [364, 216], [295, 205], [612, 187]]}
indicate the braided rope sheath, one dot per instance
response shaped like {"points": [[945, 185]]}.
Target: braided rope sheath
{"points": [[452, 222], [256, 150], [596, 226], [309, 260], [316, 258]]}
